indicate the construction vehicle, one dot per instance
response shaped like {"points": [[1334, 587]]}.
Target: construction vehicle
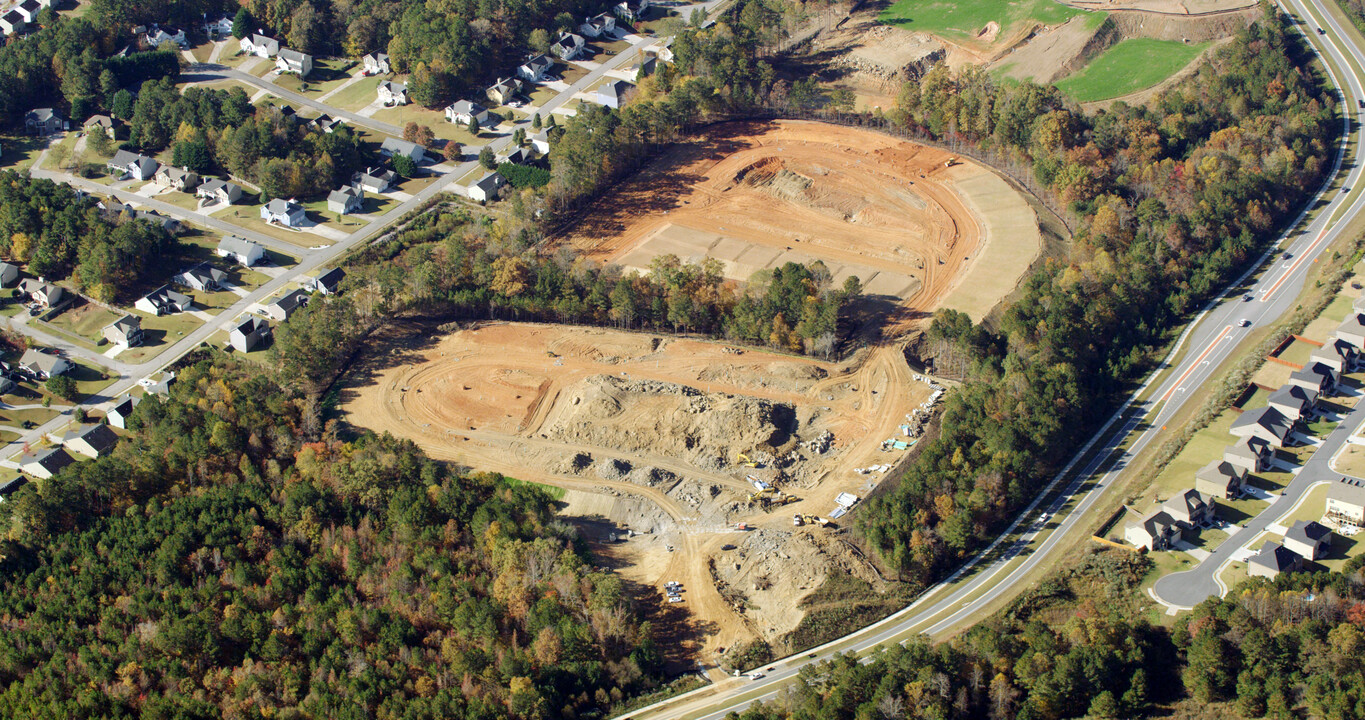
{"points": [[797, 521], [811, 520], [746, 462]]}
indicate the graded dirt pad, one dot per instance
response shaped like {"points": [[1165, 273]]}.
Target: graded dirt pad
{"points": [[1170, 7], [757, 195], [644, 433]]}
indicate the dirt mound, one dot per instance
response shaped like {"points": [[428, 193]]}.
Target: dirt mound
{"points": [[668, 419], [781, 376]]}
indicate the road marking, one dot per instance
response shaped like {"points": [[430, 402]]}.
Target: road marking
{"points": [[1197, 362], [1295, 265]]}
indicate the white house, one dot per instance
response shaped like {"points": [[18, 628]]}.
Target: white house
{"points": [[392, 93], [345, 200], [260, 45], [632, 10], [118, 415], [327, 282], [293, 61], [568, 46], [249, 335], [43, 365], [133, 165], [376, 64], [157, 35], [28, 10], [540, 142], [12, 22], [203, 277], [487, 187], [283, 212], [595, 27], [43, 464], [241, 250], [375, 180], [219, 191], [221, 27], [534, 69], [613, 94], [164, 301], [126, 331], [178, 178], [462, 111]]}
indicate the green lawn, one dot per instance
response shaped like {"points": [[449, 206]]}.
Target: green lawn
{"points": [[158, 333], [1297, 353], [357, 95], [963, 19], [1206, 445], [327, 75], [88, 320], [1132, 65]]}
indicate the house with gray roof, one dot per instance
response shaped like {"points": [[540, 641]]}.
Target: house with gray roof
{"points": [[203, 277], [1346, 502], [325, 123], [1265, 423], [1252, 454], [44, 463], [133, 165], [41, 365], [9, 274], [1220, 478], [283, 212], [286, 305], [126, 331], [118, 415], [461, 111], [44, 121], [1272, 560], [177, 178], [1156, 530], [293, 61], [376, 64], [502, 91], [568, 46], [260, 45], [391, 93], [1352, 331], [1315, 376], [599, 25], [164, 301], [327, 282], [613, 93], [100, 123], [91, 440], [1191, 508], [45, 294], [486, 188], [1294, 401], [393, 147], [251, 333], [1336, 354], [219, 191], [535, 68], [346, 200], [1308, 538], [242, 251]]}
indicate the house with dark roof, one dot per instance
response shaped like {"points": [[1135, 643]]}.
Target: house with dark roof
{"points": [[1252, 454], [325, 123], [1315, 376], [1309, 539], [44, 121], [375, 180], [1265, 423], [203, 277], [535, 68], [126, 331], [613, 93], [283, 212], [164, 301], [1346, 502], [1294, 401], [1272, 560], [486, 188], [1220, 478], [1156, 530], [219, 191], [9, 274], [286, 305], [1191, 509], [568, 46], [502, 91], [12, 22], [158, 35], [391, 93], [41, 365], [599, 25], [118, 414], [514, 155], [133, 165], [327, 282], [242, 251], [250, 334], [44, 463], [91, 440], [346, 200]]}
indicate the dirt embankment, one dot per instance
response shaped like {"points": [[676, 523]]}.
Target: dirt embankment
{"points": [[1193, 29]]}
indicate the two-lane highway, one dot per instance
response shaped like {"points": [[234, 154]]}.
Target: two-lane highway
{"points": [[1215, 335]]}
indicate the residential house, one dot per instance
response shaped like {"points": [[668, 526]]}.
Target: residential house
{"points": [[44, 121], [45, 294], [158, 35], [242, 251], [346, 200], [161, 387], [391, 93], [131, 164], [1267, 424], [177, 178], [462, 111], [118, 415], [126, 331], [1294, 401], [516, 156], [249, 335], [1191, 509], [568, 46], [91, 440], [632, 10], [535, 68], [1352, 331], [41, 365], [1272, 560], [100, 123], [487, 187], [328, 282], [203, 277], [219, 191], [293, 61], [260, 45], [375, 180], [540, 142], [393, 146], [502, 91], [613, 94], [596, 27], [283, 308], [1346, 502], [169, 224], [9, 274], [1315, 376], [283, 212], [1156, 530], [642, 68], [44, 463], [1309, 539], [1249, 453], [12, 23], [164, 301], [6, 385], [376, 64], [1336, 354], [28, 10], [325, 123], [1220, 478], [1359, 303], [221, 27]]}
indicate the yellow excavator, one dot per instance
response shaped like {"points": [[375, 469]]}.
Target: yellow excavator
{"points": [[746, 462]]}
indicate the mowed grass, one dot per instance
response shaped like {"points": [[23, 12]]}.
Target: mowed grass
{"points": [[1132, 65], [965, 18]]}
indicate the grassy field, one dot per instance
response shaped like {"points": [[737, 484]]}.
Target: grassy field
{"points": [[357, 95], [963, 20], [86, 320], [1132, 65]]}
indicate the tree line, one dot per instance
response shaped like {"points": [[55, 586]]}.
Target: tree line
{"points": [[234, 558]]}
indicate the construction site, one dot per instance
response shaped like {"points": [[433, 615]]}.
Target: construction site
{"points": [[731, 471]]}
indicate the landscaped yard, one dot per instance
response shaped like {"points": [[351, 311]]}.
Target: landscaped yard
{"points": [[327, 75], [1351, 461], [250, 219], [1133, 64], [434, 119], [964, 19], [157, 333], [86, 320], [357, 95]]}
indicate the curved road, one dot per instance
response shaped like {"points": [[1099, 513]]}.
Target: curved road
{"points": [[1030, 541]]}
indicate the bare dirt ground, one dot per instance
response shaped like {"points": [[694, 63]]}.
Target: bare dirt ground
{"points": [[757, 195], [1170, 7], [644, 434]]}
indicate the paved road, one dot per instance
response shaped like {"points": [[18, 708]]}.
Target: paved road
{"points": [[212, 72], [998, 571]]}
